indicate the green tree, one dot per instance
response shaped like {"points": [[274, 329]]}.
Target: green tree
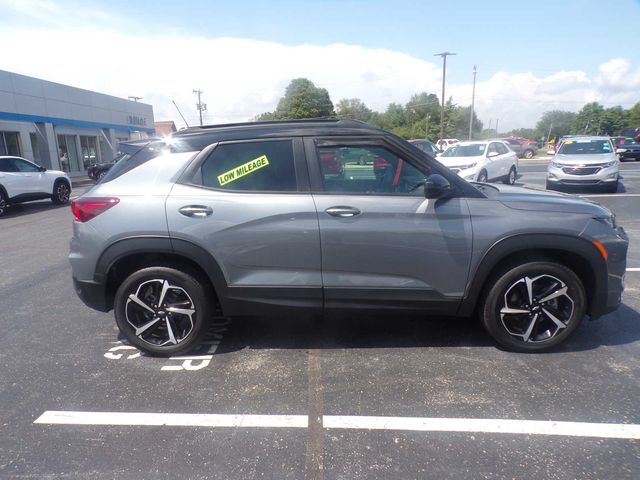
{"points": [[353, 108], [302, 99], [633, 116], [613, 120], [589, 119], [560, 122]]}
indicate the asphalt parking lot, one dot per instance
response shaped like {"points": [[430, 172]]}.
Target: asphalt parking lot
{"points": [[332, 398]]}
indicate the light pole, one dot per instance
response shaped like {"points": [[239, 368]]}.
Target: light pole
{"points": [[444, 56], [473, 101]]}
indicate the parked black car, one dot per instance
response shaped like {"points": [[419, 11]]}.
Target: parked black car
{"points": [[627, 148], [125, 149]]}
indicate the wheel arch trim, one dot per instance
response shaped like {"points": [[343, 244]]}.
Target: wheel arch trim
{"points": [[528, 243]]}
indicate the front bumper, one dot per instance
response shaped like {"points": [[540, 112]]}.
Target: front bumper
{"points": [[563, 176]]}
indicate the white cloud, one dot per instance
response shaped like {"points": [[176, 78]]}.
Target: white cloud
{"points": [[244, 77]]}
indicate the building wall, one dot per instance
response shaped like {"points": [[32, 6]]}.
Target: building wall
{"points": [[47, 109]]}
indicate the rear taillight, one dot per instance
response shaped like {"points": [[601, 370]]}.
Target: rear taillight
{"points": [[85, 208]]}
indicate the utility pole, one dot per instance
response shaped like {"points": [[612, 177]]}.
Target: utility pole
{"points": [[489, 127], [426, 128], [135, 99], [200, 106], [497, 126], [473, 101], [444, 56], [549, 134]]}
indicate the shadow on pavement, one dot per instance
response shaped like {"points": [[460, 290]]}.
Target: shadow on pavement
{"points": [[354, 331]]}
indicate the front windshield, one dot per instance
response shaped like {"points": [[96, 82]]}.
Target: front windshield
{"points": [[585, 147], [468, 150]]}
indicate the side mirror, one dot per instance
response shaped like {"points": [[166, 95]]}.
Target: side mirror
{"points": [[437, 186], [42, 169], [492, 154]]}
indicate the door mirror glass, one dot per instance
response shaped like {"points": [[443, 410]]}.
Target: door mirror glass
{"points": [[437, 186]]}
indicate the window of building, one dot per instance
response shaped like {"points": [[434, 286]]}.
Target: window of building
{"points": [[10, 143], [68, 153], [89, 148], [367, 170], [251, 166], [35, 147]]}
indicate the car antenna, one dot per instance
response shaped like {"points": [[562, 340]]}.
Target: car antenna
{"points": [[185, 122]]}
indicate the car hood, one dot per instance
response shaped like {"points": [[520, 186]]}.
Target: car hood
{"points": [[457, 161], [584, 159], [521, 198]]}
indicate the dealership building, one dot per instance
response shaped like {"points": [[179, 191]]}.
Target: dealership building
{"points": [[63, 127]]}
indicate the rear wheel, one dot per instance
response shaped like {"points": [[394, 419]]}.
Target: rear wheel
{"points": [[61, 192], [533, 306], [162, 311]]}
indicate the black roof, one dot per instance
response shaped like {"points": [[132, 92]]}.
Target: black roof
{"points": [[199, 137]]}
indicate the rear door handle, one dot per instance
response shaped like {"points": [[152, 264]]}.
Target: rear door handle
{"points": [[198, 211], [343, 212]]}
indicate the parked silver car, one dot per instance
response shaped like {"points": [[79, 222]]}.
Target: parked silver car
{"points": [[584, 161], [253, 219]]}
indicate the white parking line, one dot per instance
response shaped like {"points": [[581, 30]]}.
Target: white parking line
{"points": [[419, 424], [633, 269], [612, 195], [478, 425], [172, 419]]}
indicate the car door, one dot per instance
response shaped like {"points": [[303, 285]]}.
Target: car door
{"points": [[33, 178], [383, 243], [505, 159], [493, 161], [247, 203]]}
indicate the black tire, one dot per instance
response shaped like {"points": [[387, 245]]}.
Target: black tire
{"points": [[535, 330], [100, 175], [551, 186], [3, 203], [613, 188], [170, 332], [529, 153], [510, 179], [482, 177], [61, 192]]}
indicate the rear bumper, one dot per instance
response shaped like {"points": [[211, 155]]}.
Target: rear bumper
{"points": [[92, 294]]}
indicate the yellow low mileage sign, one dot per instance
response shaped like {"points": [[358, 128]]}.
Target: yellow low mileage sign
{"points": [[242, 170]]}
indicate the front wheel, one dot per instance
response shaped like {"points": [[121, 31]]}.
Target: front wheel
{"points": [[534, 306], [612, 188], [3, 203], [482, 177], [61, 193], [162, 311], [528, 154], [510, 179]]}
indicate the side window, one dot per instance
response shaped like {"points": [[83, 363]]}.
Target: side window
{"points": [[492, 148], [251, 166], [367, 170], [22, 166], [6, 165], [502, 148]]}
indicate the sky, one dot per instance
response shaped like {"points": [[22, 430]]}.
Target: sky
{"points": [[531, 57]]}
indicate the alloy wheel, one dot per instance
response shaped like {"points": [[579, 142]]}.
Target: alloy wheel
{"points": [[512, 176], [536, 309], [63, 192], [161, 314], [3, 205]]}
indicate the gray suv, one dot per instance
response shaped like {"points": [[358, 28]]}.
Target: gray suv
{"points": [[263, 218]]}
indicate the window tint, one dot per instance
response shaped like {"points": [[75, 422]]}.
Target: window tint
{"points": [[6, 165], [583, 147], [372, 170], [251, 166], [24, 166], [502, 148]]}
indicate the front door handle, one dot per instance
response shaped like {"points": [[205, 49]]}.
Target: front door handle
{"points": [[342, 212], [198, 211]]}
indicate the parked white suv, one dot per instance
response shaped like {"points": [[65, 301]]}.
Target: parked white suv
{"points": [[482, 161], [23, 181], [584, 161]]}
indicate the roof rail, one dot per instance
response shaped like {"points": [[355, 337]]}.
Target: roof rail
{"points": [[270, 122]]}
